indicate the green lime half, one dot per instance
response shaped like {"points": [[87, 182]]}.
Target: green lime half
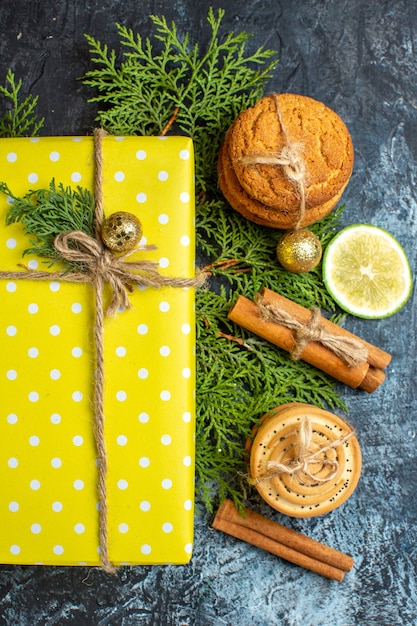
{"points": [[366, 271]]}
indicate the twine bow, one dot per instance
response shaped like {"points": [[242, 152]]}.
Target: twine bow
{"points": [[101, 267], [351, 351], [300, 464], [100, 264]]}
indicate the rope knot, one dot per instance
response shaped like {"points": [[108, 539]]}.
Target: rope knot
{"points": [[105, 263], [299, 466], [100, 264], [292, 163], [350, 350], [312, 331]]}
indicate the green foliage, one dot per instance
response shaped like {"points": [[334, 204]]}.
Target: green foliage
{"points": [[167, 84], [155, 80], [20, 119], [45, 213], [240, 376], [245, 254]]}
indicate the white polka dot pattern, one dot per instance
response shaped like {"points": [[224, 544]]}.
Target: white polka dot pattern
{"points": [[48, 502]]}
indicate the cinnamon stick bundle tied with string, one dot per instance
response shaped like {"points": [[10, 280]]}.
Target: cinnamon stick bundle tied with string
{"points": [[306, 335], [281, 541]]}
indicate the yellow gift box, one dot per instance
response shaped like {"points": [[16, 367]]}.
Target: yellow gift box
{"points": [[48, 498]]}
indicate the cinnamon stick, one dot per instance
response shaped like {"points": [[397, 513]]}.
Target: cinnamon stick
{"points": [[377, 357], [368, 375], [282, 542], [373, 379], [287, 536]]}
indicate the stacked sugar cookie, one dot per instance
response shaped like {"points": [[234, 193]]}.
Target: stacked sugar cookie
{"points": [[263, 192]]}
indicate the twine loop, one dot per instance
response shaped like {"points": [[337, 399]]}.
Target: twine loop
{"points": [[102, 266], [350, 350], [300, 465]]}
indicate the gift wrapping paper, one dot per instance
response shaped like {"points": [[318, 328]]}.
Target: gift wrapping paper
{"points": [[48, 494]]}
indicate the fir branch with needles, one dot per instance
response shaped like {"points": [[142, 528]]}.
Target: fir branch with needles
{"points": [[163, 85], [19, 119], [167, 84], [206, 90], [45, 213]]}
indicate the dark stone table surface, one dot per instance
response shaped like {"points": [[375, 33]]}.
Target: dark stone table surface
{"points": [[359, 58]]}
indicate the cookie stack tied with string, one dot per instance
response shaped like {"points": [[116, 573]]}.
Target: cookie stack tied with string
{"points": [[304, 461], [285, 163]]}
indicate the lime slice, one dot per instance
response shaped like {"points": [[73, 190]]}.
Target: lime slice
{"points": [[367, 272]]}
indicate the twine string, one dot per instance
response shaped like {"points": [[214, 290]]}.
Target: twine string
{"points": [[78, 247], [95, 248], [99, 135], [299, 465], [290, 159], [350, 350], [99, 422], [99, 267]]}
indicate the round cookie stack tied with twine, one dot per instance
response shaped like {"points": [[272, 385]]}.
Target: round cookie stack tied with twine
{"points": [[304, 461], [285, 161]]}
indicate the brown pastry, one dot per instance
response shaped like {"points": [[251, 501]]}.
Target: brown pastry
{"points": [[262, 192], [260, 213], [314, 482]]}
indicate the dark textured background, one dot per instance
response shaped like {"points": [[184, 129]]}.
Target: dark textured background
{"points": [[358, 57]]}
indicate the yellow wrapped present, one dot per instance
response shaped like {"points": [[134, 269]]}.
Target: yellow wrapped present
{"points": [[49, 499]]}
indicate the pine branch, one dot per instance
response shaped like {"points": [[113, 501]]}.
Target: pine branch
{"points": [[224, 234], [20, 119], [237, 382], [44, 213], [209, 89], [169, 83]]}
